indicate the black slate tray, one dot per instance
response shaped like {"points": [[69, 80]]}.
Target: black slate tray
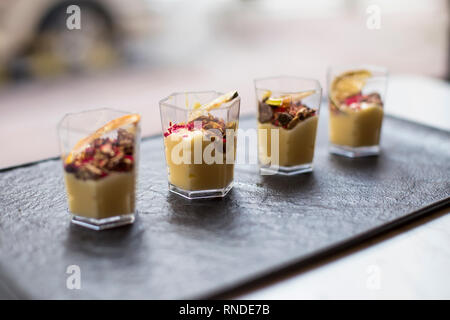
{"points": [[182, 249]]}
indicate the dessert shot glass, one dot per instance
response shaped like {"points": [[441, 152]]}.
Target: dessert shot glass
{"points": [[288, 115], [100, 154], [200, 130], [356, 96]]}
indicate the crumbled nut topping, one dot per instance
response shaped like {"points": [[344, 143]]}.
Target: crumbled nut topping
{"points": [[103, 156], [208, 123], [286, 116], [213, 127]]}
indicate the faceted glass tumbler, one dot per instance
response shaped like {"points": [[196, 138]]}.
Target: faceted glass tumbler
{"points": [[100, 156], [200, 146], [287, 118], [356, 96]]}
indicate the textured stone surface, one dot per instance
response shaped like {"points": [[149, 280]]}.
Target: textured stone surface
{"points": [[182, 249]]}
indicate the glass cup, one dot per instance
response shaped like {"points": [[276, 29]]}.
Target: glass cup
{"points": [[288, 115], [100, 156], [356, 96], [199, 145]]}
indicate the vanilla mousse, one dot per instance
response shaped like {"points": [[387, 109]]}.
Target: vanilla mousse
{"points": [[355, 118], [296, 145], [296, 124], [356, 127], [199, 130], [110, 196], [191, 173]]}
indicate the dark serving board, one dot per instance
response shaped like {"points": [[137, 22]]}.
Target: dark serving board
{"points": [[182, 249]]}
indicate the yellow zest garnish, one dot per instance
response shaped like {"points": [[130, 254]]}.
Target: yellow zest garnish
{"points": [[110, 126], [276, 102], [287, 99]]}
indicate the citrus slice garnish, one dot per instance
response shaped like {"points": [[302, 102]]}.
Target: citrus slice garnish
{"points": [[348, 84], [287, 99], [275, 102], [110, 126]]}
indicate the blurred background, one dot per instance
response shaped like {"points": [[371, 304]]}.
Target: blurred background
{"points": [[130, 54]]}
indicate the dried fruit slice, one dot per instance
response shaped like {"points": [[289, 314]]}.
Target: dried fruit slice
{"points": [[348, 84], [227, 97], [296, 97], [129, 119]]}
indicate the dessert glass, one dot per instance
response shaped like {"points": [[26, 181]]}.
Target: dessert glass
{"points": [[199, 145], [100, 154], [288, 113], [356, 97]]}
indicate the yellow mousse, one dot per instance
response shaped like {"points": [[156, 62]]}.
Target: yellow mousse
{"points": [[110, 196], [188, 175], [356, 128], [296, 145]]}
